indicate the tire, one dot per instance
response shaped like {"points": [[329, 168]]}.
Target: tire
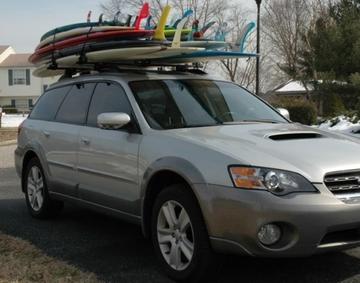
{"points": [[38, 201], [192, 264]]}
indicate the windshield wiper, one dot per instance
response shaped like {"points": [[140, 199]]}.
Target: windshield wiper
{"points": [[252, 121], [202, 125], [231, 123]]}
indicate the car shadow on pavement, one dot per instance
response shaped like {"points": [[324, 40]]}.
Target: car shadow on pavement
{"points": [[117, 252]]}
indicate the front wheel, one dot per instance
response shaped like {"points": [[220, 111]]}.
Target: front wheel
{"points": [[38, 201], [180, 237]]}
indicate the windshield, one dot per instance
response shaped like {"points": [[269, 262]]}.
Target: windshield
{"points": [[173, 104]]}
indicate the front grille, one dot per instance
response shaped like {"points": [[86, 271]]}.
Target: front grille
{"points": [[343, 183]]}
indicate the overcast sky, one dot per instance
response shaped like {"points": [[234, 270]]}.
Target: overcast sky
{"points": [[23, 22]]}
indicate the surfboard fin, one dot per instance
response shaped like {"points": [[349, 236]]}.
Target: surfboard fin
{"points": [[194, 28], [148, 23], [101, 19], [128, 20], [187, 14], [244, 34], [221, 32], [116, 17], [177, 37], [206, 27], [160, 29], [143, 14], [136, 18], [174, 20], [89, 17]]}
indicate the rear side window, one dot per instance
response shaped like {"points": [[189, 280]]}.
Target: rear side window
{"points": [[107, 98], [74, 108], [48, 104]]}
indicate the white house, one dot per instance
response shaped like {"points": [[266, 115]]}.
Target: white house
{"points": [[18, 87], [293, 89]]}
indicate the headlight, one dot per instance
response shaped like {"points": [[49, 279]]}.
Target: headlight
{"points": [[278, 182]]}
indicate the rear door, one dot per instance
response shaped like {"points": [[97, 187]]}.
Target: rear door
{"points": [[63, 137], [108, 159], [42, 130]]}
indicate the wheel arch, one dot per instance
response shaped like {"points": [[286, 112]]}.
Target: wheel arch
{"points": [[33, 151], [162, 173]]}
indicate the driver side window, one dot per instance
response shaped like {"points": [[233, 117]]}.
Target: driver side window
{"points": [[108, 97]]}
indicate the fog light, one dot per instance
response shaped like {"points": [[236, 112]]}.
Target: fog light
{"points": [[269, 234]]}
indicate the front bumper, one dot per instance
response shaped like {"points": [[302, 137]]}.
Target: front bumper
{"points": [[311, 222]]}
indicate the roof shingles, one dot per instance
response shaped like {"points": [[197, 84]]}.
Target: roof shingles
{"points": [[3, 48], [17, 60]]}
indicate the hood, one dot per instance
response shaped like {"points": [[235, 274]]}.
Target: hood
{"points": [[293, 147]]}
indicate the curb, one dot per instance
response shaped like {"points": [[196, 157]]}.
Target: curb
{"points": [[11, 142]]}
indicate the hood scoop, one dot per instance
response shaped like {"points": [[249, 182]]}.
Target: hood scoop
{"points": [[294, 136]]}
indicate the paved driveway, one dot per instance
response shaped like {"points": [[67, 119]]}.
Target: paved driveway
{"points": [[117, 252]]}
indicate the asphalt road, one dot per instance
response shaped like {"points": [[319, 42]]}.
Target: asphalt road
{"points": [[116, 251]]}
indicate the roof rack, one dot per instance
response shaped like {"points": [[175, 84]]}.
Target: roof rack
{"points": [[69, 72]]}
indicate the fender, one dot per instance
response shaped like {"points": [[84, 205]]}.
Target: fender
{"points": [[180, 166], [37, 149]]}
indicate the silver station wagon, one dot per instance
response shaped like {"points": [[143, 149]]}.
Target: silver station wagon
{"points": [[202, 165]]}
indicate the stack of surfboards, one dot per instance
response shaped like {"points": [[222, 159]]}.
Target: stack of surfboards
{"points": [[84, 45]]}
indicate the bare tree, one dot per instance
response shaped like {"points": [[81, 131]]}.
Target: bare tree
{"points": [[204, 10], [284, 24], [240, 70], [243, 70], [112, 7], [320, 13]]}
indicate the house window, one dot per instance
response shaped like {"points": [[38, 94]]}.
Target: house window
{"points": [[19, 77]]}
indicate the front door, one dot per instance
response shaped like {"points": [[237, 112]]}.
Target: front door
{"points": [[108, 159]]}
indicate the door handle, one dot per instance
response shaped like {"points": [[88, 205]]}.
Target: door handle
{"points": [[46, 133], [85, 141]]}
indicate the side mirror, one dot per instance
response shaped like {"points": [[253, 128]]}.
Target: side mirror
{"points": [[113, 121], [284, 112]]}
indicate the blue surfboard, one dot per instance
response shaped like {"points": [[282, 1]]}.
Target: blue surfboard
{"points": [[210, 53], [207, 55]]}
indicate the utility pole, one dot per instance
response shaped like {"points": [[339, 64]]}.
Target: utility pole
{"points": [[258, 3]]}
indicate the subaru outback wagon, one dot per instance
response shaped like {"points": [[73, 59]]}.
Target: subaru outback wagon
{"points": [[203, 165]]}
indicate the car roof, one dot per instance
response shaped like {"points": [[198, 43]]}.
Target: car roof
{"points": [[133, 75]]}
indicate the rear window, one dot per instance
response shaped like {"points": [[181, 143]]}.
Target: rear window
{"points": [[48, 104], [74, 108]]}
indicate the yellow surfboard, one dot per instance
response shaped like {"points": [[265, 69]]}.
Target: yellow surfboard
{"points": [[160, 29]]}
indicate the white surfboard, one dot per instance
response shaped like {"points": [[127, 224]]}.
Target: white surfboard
{"points": [[207, 44], [77, 32], [43, 72], [140, 53], [108, 54]]}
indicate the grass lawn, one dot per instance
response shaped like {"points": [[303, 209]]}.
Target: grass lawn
{"points": [[22, 262], [7, 134]]}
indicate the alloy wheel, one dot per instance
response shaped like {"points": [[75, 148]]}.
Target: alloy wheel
{"points": [[35, 188], [175, 235]]}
